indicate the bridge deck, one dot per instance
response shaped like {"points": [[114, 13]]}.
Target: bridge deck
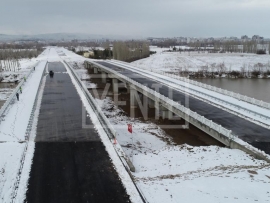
{"points": [[250, 132], [70, 164]]}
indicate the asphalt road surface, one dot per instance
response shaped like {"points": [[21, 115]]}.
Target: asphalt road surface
{"points": [[70, 163], [252, 133]]}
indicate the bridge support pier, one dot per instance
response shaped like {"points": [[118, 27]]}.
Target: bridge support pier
{"points": [[115, 86], [133, 100], [151, 103], [138, 104], [128, 87], [104, 77], [167, 114], [95, 70]]}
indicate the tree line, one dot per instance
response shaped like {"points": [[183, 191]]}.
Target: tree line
{"points": [[9, 58], [107, 53], [130, 50], [221, 70], [7, 54], [9, 65], [251, 46], [233, 46]]}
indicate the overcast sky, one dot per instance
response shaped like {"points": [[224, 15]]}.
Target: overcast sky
{"points": [[159, 18]]}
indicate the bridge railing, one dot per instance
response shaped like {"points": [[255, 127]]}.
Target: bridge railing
{"points": [[11, 99]]}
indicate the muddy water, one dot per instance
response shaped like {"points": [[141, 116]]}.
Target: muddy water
{"points": [[255, 88], [191, 136]]}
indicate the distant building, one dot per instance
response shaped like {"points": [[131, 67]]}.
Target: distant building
{"points": [[211, 39], [234, 39], [245, 38], [257, 38], [181, 39]]}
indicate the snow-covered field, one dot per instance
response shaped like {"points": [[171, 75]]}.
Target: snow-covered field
{"points": [[181, 173], [193, 61]]}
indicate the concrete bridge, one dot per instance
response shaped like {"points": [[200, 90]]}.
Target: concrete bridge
{"points": [[226, 127]]}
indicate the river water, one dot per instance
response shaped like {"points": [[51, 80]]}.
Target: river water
{"points": [[255, 88]]}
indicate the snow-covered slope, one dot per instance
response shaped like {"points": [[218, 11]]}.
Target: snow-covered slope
{"points": [[193, 61]]}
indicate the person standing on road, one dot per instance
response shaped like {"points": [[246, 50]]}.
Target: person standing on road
{"points": [[24, 79], [21, 89], [17, 95], [34, 68]]}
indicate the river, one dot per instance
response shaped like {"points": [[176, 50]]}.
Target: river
{"points": [[255, 88]]}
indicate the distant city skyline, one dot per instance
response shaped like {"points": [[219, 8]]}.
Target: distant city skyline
{"points": [[172, 18]]}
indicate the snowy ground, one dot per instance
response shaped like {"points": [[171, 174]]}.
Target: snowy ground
{"points": [[193, 61], [143, 133], [11, 153], [171, 173]]}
